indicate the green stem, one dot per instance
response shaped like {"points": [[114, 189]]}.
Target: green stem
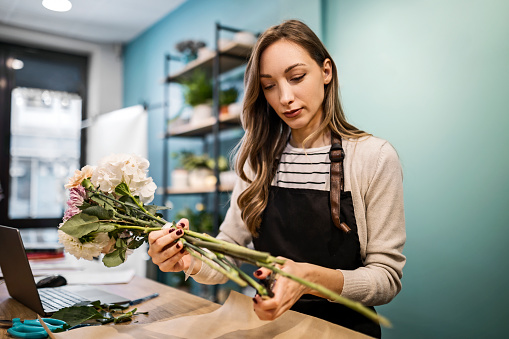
{"points": [[135, 220], [234, 250], [141, 228], [253, 283], [209, 260], [143, 211], [354, 305]]}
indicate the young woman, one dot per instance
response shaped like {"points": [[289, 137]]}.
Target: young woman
{"points": [[288, 186]]}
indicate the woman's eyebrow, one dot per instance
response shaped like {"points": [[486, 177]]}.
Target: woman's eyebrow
{"points": [[288, 69]]}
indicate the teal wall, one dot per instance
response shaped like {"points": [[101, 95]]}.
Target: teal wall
{"points": [[432, 77], [429, 76], [195, 19]]}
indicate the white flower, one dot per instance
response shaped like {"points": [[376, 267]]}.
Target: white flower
{"points": [[128, 168], [88, 250]]}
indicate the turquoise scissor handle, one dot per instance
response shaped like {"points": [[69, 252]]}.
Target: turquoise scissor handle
{"points": [[33, 329], [52, 324]]}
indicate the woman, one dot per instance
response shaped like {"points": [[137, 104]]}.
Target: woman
{"points": [[288, 186]]}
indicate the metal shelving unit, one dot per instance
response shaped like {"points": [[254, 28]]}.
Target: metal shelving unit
{"points": [[225, 57]]}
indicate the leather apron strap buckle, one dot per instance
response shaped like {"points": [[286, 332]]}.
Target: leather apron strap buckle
{"points": [[336, 153]]}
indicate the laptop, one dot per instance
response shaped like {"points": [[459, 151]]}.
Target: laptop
{"points": [[21, 284]]}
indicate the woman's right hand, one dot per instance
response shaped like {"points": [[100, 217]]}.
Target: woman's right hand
{"points": [[168, 252]]}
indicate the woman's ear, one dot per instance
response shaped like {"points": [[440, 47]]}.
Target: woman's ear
{"points": [[327, 71]]}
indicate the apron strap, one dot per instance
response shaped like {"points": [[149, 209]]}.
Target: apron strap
{"points": [[336, 156]]}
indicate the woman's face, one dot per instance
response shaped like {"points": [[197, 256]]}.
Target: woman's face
{"points": [[293, 84]]}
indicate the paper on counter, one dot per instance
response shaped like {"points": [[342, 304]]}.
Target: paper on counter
{"points": [[99, 278], [235, 319]]}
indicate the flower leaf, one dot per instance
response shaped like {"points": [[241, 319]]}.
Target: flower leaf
{"points": [[122, 189], [100, 212], [80, 225], [152, 209], [75, 315], [137, 242], [114, 258], [105, 227]]}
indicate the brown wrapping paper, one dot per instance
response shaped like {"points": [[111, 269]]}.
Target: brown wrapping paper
{"points": [[235, 319]]}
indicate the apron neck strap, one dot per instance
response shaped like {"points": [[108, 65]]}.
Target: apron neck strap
{"points": [[336, 156]]}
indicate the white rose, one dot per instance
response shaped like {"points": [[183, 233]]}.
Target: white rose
{"points": [[128, 168], [88, 250]]}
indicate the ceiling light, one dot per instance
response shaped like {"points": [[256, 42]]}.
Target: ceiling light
{"points": [[57, 5], [15, 64]]}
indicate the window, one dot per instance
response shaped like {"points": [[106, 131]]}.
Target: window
{"points": [[42, 104]]}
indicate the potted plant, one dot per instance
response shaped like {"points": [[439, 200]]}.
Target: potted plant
{"points": [[200, 168], [189, 49], [198, 94], [227, 97]]}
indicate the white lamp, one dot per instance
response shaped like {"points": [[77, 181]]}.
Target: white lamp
{"points": [[57, 5]]}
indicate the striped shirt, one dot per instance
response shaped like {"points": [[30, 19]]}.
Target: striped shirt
{"points": [[304, 168]]}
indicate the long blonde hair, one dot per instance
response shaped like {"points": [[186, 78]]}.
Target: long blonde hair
{"points": [[266, 135]]}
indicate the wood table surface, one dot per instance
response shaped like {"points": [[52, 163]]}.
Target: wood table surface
{"points": [[171, 302]]}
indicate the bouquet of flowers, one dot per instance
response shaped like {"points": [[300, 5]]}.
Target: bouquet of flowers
{"points": [[108, 213]]}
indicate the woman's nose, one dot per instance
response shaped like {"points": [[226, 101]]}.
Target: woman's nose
{"points": [[286, 96]]}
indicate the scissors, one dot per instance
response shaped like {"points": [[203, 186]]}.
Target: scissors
{"points": [[33, 329]]}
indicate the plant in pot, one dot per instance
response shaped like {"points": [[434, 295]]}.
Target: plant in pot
{"points": [[200, 168], [198, 94], [189, 49], [226, 98]]}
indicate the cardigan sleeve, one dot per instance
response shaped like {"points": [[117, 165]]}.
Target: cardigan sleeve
{"points": [[379, 281]]}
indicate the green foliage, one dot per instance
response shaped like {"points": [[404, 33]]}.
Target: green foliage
{"points": [[191, 161], [84, 312], [114, 258], [200, 220], [82, 224], [122, 189], [228, 96], [117, 215], [197, 89], [99, 211]]}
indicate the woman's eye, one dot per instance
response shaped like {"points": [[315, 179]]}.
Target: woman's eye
{"points": [[266, 87], [298, 78]]}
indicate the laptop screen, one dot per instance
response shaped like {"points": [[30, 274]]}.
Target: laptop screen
{"points": [[16, 270]]}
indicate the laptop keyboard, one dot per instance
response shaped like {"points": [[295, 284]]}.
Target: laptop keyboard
{"points": [[53, 299]]}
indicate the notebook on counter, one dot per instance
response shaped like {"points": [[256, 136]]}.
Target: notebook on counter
{"points": [[21, 284]]}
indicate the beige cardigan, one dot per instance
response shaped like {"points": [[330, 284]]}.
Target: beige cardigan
{"points": [[374, 176]]}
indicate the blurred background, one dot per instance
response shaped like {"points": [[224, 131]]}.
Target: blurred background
{"points": [[430, 76]]}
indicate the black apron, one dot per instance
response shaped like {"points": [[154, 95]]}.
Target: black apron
{"points": [[297, 224]]}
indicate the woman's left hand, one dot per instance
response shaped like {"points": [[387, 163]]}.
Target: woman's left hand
{"points": [[286, 291]]}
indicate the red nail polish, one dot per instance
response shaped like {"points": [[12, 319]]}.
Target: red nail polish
{"points": [[258, 272], [179, 232], [171, 230], [181, 224], [177, 245], [256, 302], [182, 251]]}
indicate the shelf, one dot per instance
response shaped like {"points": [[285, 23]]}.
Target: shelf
{"points": [[235, 54], [192, 190], [205, 126]]}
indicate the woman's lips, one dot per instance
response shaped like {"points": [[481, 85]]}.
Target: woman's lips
{"points": [[293, 113]]}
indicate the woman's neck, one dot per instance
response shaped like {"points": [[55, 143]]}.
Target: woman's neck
{"points": [[297, 140]]}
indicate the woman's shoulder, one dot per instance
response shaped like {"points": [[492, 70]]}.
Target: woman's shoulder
{"points": [[369, 148]]}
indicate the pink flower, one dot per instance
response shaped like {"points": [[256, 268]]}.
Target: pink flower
{"points": [[76, 198]]}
